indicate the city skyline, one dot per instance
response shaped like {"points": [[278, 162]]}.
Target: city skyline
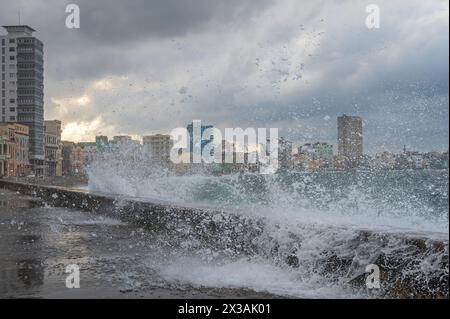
{"points": [[177, 71], [296, 144], [145, 139]]}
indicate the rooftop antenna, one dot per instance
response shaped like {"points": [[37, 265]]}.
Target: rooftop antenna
{"points": [[19, 15]]}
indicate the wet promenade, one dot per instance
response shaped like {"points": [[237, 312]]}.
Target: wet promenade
{"points": [[116, 259]]}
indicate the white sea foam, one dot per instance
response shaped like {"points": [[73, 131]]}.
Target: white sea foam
{"points": [[255, 274], [353, 205], [324, 211]]}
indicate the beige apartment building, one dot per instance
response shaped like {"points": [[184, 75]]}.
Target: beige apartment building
{"points": [[53, 148], [159, 146], [14, 148]]}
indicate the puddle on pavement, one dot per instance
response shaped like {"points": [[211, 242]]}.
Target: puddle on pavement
{"points": [[12, 200]]}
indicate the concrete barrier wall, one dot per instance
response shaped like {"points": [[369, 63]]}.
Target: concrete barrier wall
{"points": [[166, 219]]}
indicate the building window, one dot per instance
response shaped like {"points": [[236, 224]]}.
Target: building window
{"points": [[12, 101], [12, 118], [11, 40], [12, 109], [12, 58], [12, 49]]}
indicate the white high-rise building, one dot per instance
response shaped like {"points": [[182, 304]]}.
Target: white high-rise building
{"points": [[22, 87], [350, 139]]}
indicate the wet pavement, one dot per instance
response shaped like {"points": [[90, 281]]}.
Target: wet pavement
{"points": [[116, 260]]}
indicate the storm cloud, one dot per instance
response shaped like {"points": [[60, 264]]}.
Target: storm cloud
{"points": [[140, 66]]}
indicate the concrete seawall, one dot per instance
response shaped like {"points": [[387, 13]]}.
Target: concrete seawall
{"points": [[163, 218], [401, 257]]}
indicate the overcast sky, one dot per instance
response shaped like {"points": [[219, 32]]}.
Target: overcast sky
{"points": [[143, 66]]}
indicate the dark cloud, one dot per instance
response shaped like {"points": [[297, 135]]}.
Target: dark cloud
{"points": [[153, 65], [120, 21]]}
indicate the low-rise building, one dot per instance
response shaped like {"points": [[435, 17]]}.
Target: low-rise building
{"points": [[3, 156], [67, 148], [122, 139], [84, 153], [53, 148], [159, 146], [314, 156], [14, 148], [436, 160], [78, 160], [124, 142], [21, 137], [383, 160], [285, 158], [74, 159]]}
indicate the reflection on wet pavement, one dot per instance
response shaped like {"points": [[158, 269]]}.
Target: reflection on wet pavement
{"points": [[37, 243], [30, 272], [10, 200]]}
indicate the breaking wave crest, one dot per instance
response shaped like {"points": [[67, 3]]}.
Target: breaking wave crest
{"points": [[294, 233]]}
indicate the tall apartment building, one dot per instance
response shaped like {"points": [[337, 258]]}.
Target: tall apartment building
{"points": [[350, 140], [53, 148], [22, 87], [159, 146]]}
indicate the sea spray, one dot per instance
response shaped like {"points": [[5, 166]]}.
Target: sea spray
{"points": [[319, 229]]}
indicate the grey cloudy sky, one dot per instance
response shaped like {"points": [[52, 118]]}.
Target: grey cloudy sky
{"points": [[140, 66]]}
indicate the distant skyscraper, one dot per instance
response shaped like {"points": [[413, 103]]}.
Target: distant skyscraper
{"points": [[22, 98], [203, 128], [350, 139]]}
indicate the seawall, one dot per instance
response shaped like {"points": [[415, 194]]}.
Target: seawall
{"points": [[411, 265]]}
